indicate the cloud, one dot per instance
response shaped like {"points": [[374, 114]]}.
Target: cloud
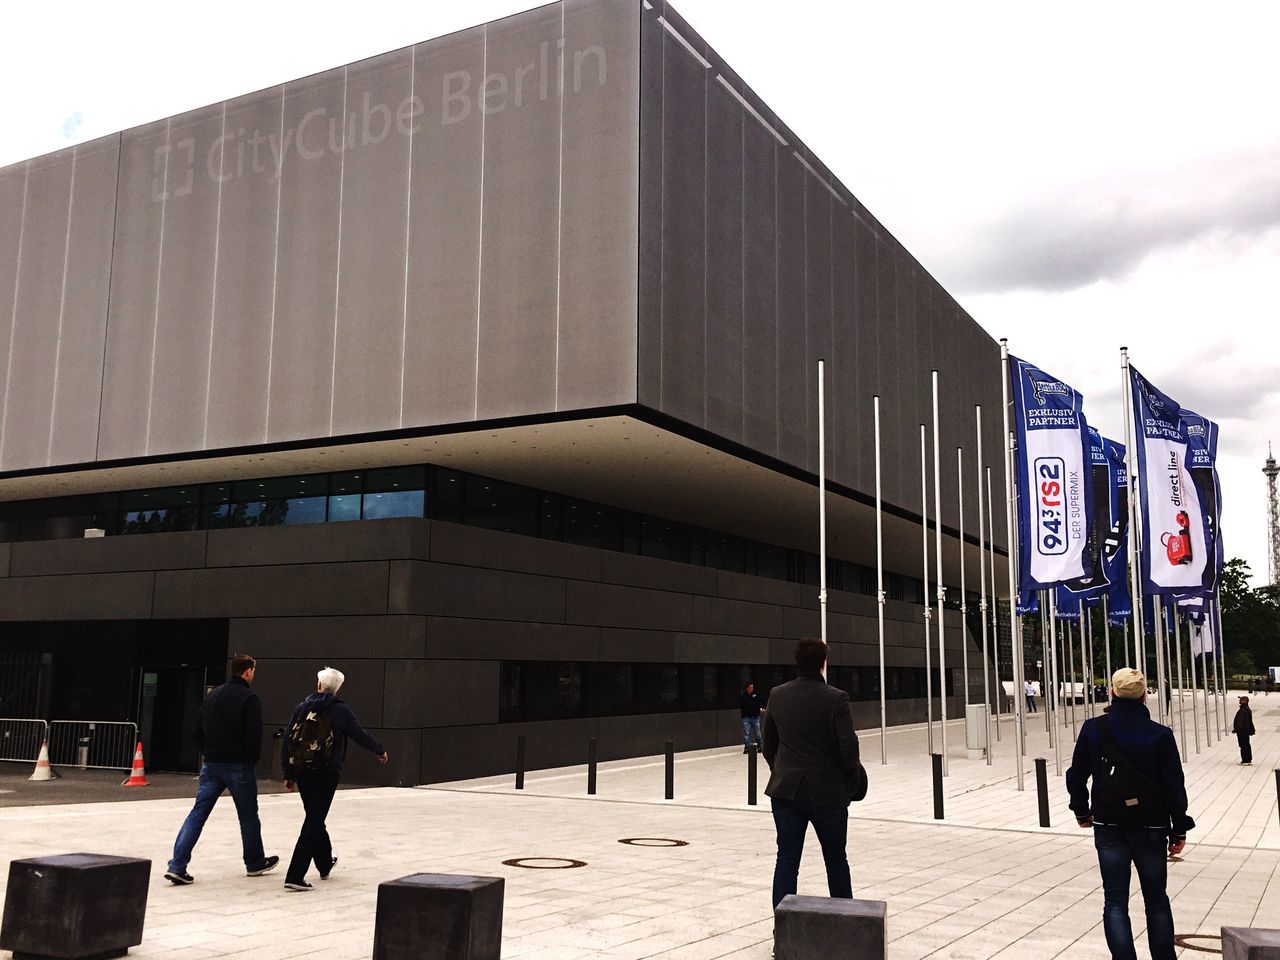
{"points": [[72, 124], [1104, 229]]}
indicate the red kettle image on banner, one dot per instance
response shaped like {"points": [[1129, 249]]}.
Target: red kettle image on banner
{"points": [[1178, 545]]}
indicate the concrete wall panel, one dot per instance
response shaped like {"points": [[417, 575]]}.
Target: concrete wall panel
{"points": [[73, 432], [249, 164], [184, 306], [370, 326], [519, 252], [37, 313], [300, 396], [135, 270]]}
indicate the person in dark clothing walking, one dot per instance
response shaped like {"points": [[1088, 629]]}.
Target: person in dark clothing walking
{"points": [[229, 734], [316, 778], [750, 705], [812, 753], [1242, 727], [1137, 809]]}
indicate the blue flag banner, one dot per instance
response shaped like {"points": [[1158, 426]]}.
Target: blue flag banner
{"points": [[1115, 550], [1202, 459], [1175, 540], [1028, 606], [1052, 471], [1068, 604]]}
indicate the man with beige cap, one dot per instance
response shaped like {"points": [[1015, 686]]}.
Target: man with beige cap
{"points": [[1138, 811]]}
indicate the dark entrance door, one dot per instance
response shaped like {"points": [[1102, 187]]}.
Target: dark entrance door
{"points": [[167, 716]]}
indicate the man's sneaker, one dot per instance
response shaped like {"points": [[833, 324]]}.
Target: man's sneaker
{"points": [[179, 878], [332, 863], [268, 865], [299, 886]]}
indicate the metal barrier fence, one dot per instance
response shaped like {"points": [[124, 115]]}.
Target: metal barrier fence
{"points": [[96, 744], [21, 739]]}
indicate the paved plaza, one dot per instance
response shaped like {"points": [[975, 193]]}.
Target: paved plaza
{"points": [[986, 882]]}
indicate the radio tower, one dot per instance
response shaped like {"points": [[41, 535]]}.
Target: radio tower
{"points": [[1271, 471]]}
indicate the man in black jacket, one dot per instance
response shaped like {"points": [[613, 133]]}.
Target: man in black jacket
{"points": [[1138, 811], [750, 705], [1242, 727], [319, 782], [812, 754], [229, 734]]}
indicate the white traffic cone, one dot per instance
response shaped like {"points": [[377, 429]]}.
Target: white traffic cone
{"points": [[43, 771]]}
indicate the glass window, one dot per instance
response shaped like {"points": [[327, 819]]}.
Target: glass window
{"points": [[725, 552], [591, 525], [448, 487], [274, 501], [510, 699], [664, 539], [344, 495], [670, 690], [549, 516], [497, 505], [394, 492]]}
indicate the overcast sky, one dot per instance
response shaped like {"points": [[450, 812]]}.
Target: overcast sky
{"points": [[1080, 177]]}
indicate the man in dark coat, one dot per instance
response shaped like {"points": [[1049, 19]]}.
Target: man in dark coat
{"points": [[1242, 727], [812, 752], [229, 734], [1137, 810], [318, 785]]}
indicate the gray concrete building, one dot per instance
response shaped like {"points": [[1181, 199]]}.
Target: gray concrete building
{"points": [[484, 370]]}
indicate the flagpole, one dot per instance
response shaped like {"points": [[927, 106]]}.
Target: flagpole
{"points": [[995, 605], [928, 611], [1020, 733], [1220, 642], [942, 590], [1182, 716], [1054, 679], [1191, 649], [964, 595], [1106, 641], [1044, 656], [1135, 509], [1205, 634], [982, 596], [884, 755], [822, 500], [1086, 659], [1070, 655]]}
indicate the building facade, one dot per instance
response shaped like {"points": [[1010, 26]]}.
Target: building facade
{"points": [[484, 370]]}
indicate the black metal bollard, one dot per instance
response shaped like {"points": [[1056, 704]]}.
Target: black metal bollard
{"points": [[519, 763], [751, 775], [670, 793], [937, 787], [1042, 789], [593, 755]]}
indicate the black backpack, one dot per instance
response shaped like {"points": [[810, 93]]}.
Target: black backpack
{"points": [[1124, 794], [311, 740]]}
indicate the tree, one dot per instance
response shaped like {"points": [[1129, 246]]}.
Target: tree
{"points": [[1250, 621]]}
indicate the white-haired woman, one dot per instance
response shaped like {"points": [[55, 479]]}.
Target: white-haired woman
{"points": [[313, 754]]}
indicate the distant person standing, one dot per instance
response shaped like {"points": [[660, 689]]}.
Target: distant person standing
{"points": [[750, 705], [812, 752], [229, 734], [1030, 690], [1242, 727], [313, 754], [1137, 810]]}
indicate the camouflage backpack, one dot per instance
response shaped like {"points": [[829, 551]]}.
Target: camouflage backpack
{"points": [[311, 740]]}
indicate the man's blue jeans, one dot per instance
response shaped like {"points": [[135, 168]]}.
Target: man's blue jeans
{"points": [[831, 824], [1118, 847], [242, 782], [750, 728]]}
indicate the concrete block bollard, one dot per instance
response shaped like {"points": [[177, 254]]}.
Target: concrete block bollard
{"points": [[435, 916], [1247, 943], [822, 928], [74, 906]]}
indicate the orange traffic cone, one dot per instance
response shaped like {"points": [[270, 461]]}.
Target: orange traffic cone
{"points": [[138, 776], [43, 771]]}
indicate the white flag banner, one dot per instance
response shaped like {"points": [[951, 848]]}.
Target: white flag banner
{"points": [[1202, 637], [1175, 543], [1053, 467]]}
